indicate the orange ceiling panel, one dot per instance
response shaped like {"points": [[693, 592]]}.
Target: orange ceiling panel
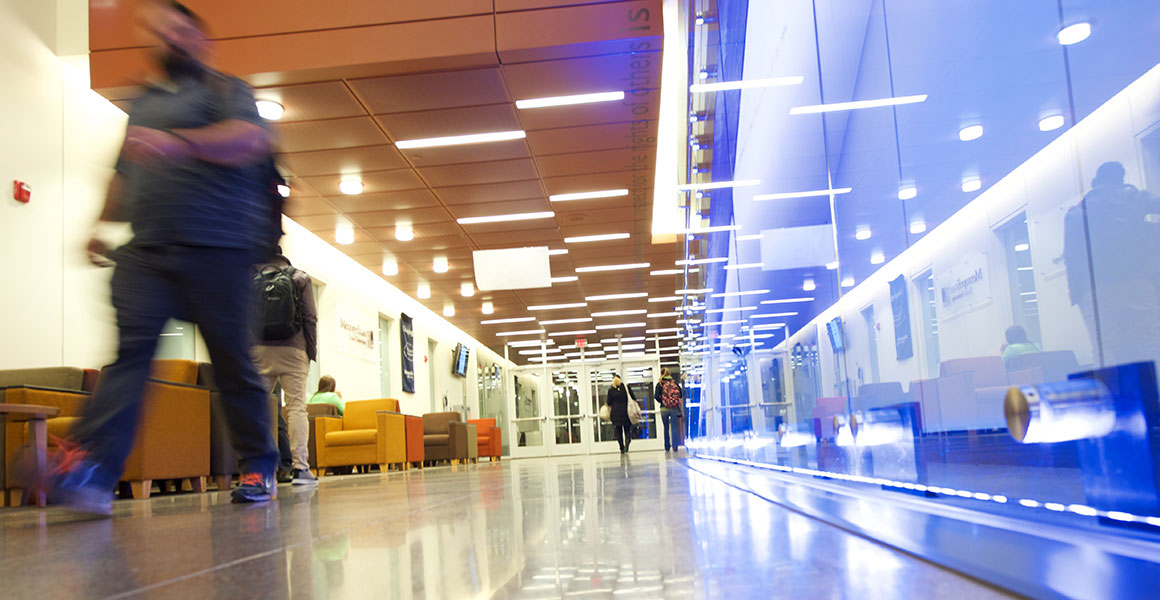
{"points": [[450, 121], [635, 73], [495, 192], [333, 133], [501, 208], [478, 173], [307, 206], [604, 161], [390, 218], [570, 32], [404, 200], [431, 91], [375, 181], [310, 101], [346, 160], [516, 239], [588, 138]]}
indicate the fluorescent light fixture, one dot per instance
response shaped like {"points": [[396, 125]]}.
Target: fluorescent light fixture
{"points": [[558, 306], [1074, 34], [613, 267], [404, 233], [733, 309], [449, 310], [423, 291], [729, 322], [702, 261], [703, 88], [788, 300], [566, 321], [809, 194], [748, 238], [578, 332], [565, 279], [487, 308], [666, 299], [877, 258], [691, 291], [270, 110], [466, 289], [667, 330], [504, 218], [848, 282], [390, 266], [531, 343], [344, 233], [832, 266], [971, 132], [907, 192], [604, 237], [283, 190], [858, 104], [619, 313], [1022, 247], [351, 187], [569, 100], [666, 272], [502, 321], [557, 252], [692, 187], [971, 184], [623, 339], [713, 229], [616, 296], [540, 351], [521, 332], [620, 326], [767, 326], [773, 315], [743, 293], [863, 233], [917, 227], [588, 195], [459, 140], [440, 265], [663, 314], [1051, 123]]}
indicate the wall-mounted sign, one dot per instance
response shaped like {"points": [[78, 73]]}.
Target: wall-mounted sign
{"points": [[408, 354], [964, 285], [900, 306], [356, 334]]}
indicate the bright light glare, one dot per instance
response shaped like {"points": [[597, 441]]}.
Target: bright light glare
{"points": [[459, 140], [877, 258], [862, 233], [1051, 123], [1074, 34], [701, 88], [270, 110], [440, 265], [837, 106], [918, 227], [596, 238], [971, 132], [283, 190], [809, 285], [390, 267], [569, 100], [588, 195], [344, 233], [424, 291], [972, 185], [404, 233], [907, 192], [613, 267], [504, 218], [718, 185], [351, 187], [809, 194]]}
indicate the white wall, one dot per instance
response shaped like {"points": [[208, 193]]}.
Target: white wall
{"points": [[61, 138], [358, 293]]}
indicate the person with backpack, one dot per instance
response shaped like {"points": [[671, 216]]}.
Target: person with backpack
{"points": [[668, 398], [287, 333]]}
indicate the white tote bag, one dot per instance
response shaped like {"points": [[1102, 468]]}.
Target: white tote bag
{"points": [[633, 407]]}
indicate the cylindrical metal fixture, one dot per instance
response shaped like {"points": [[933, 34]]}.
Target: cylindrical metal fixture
{"points": [[1060, 411]]}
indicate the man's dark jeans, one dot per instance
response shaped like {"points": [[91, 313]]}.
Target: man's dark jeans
{"points": [[211, 287]]}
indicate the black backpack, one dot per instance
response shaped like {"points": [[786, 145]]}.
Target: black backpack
{"points": [[278, 303]]}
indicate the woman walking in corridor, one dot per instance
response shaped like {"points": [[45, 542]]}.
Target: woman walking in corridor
{"points": [[618, 398]]}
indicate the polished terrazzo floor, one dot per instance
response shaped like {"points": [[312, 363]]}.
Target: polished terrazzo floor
{"points": [[565, 527]]}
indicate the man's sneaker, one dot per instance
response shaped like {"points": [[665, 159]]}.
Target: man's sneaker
{"points": [[254, 487], [284, 476], [68, 480], [304, 477]]}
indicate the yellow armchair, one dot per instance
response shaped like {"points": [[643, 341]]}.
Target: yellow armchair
{"points": [[370, 432]]}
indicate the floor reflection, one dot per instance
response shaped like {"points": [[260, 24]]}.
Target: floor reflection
{"points": [[571, 527]]}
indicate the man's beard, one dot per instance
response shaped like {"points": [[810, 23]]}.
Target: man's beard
{"points": [[178, 64]]}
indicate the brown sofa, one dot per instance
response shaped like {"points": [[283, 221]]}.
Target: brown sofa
{"points": [[444, 437]]}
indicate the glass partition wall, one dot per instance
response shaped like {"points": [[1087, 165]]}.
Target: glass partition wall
{"points": [[970, 204]]}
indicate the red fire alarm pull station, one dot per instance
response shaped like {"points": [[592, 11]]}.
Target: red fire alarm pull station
{"points": [[21, 191], [581, 342]]}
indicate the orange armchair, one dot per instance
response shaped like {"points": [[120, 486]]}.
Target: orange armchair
{"points": [[490, 440], [370, 432]]}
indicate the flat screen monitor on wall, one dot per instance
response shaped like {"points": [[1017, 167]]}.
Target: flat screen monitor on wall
{"points": [[459, 360], [834, 328]]}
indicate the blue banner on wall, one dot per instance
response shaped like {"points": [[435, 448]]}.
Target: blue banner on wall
{"points": [[408, 353], [900, 306]]}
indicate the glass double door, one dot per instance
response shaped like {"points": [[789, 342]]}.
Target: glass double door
{"points": [[556, 408]]}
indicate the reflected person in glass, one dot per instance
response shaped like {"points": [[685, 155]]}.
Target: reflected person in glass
{"points": [[618, 398], [1017, 343]]}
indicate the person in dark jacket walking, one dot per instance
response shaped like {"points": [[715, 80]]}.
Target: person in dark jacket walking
{"points": [[618, 399], [668, 398]]}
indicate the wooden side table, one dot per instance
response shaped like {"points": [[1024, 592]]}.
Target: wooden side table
{"points": [[36, 417]]}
